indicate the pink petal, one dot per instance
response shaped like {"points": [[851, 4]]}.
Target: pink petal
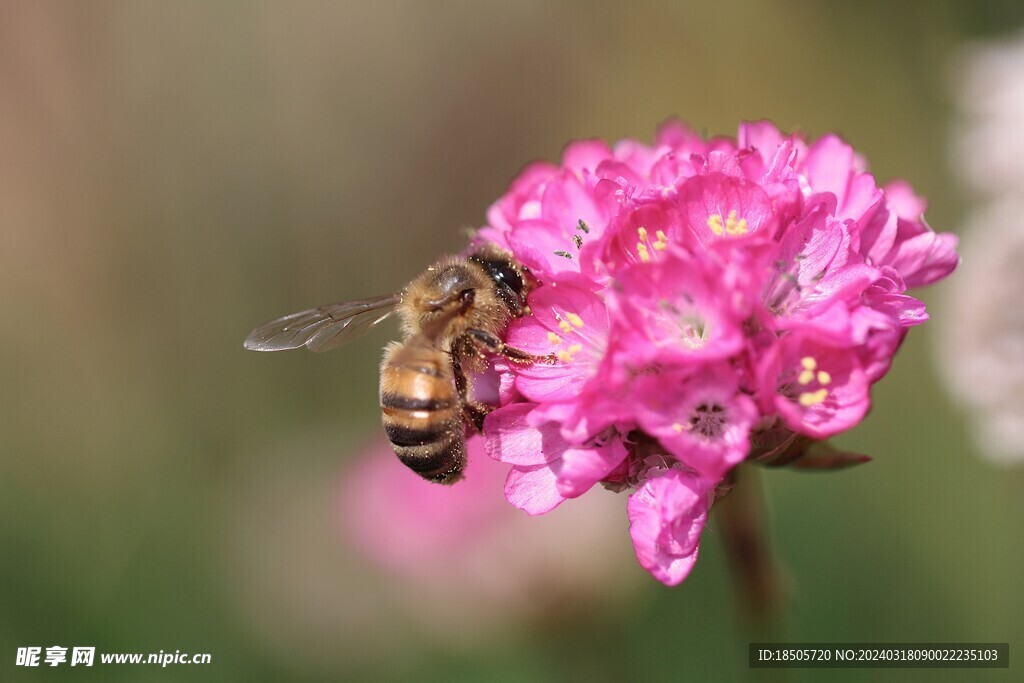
{"points": [[717, 194], [904, 201], [829, 166], [568, 202], [762, 136], [679, 136], [862, 195], [511, 439], [926, 258], [580, 468], [585, 155], [533, 489], [665, 405], [666, 517], [844, 397], [538, 244]]}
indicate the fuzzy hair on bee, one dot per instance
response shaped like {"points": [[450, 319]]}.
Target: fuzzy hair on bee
{"points": [[493, 291], [418, 310]]}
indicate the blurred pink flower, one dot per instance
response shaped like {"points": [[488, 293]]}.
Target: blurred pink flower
{"points": [[466, 543], [368, 554], [402, 523], [697, 294]]}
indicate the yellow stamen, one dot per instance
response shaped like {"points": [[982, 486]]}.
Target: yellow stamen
{"points": [[642, 233], [734, 227], [813, 398], [731, 225], [808, 362], [554, 339], [806, 377], [661, 243], [641, 251], [715, 223], [677, 427], [823, 377], [574, 319], [564, 326], [566, 355]]}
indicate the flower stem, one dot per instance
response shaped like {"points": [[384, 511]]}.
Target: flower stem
{"points": [[741, 516]]}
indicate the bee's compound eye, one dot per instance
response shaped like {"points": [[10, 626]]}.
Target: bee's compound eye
{"points": [[506, 273]]}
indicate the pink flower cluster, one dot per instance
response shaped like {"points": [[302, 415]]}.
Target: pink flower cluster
{"points": [[698, 295]]}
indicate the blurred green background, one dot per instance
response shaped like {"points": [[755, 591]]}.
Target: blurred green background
{"points": [[172, 174]]}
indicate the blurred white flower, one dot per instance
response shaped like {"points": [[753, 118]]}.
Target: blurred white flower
{"points": [[988, 141], [982, 347]]}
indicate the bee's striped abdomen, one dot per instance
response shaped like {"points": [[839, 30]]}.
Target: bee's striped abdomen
{"points": [[421, 411]]}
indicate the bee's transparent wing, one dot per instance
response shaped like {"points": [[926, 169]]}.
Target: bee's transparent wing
{"points": [[323, 328]]}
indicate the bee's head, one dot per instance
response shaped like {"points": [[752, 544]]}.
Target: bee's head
{"points": [[480, 291], [511, 277], [451, 287]]}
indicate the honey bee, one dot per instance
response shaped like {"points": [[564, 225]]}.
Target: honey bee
{"points": [[453, 314]]}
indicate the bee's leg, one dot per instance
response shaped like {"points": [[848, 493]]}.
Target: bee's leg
{"points": [[488, 341], [474, 411]]}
